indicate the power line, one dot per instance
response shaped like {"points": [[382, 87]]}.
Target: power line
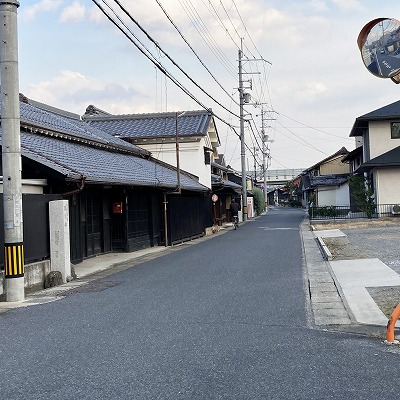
{"points": [[194, 52], [157, 63], [208, 38], [244, 26], [219, 19], [167, 55], [302, 140], [310, 127]]}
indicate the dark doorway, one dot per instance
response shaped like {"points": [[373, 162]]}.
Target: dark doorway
{"points": [[94, 220]]}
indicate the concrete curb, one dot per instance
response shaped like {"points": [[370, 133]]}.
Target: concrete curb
{"points": [[326, 254]]}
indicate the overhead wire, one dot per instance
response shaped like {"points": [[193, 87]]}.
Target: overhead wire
{"points": [[194, 52], [310, 127], [244, 26], [302, 141], [208, 38], [166, 54], [146, 52], [221, 22]]}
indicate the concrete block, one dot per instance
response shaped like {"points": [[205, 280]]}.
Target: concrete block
{"points": [[35, 274]]}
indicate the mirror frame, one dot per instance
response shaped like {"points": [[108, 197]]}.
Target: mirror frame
{"points": [[362, 38]]}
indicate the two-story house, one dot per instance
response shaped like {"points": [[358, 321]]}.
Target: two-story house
{"points": [[326, 182], [188, 139], [377, 154]]}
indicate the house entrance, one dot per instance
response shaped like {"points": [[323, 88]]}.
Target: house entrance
{"points": [[94, 208]]}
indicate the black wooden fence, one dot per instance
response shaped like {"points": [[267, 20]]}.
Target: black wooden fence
{"points": [[189, 215], [35, 209]]}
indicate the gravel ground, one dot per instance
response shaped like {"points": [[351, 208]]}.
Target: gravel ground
{"points": [[369, 239]]}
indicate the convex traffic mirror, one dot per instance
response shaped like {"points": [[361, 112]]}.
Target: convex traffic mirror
{"points": [[379, 44]]}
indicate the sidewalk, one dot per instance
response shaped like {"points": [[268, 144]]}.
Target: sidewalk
{"points": [[338, 293], [87, 271]]}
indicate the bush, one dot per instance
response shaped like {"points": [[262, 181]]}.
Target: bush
{"points": [[295, 203], [259, 200], [327, 211]]}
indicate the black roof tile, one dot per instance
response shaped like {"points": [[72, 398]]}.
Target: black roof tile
{"points": [[49, 139], [131, 126]]}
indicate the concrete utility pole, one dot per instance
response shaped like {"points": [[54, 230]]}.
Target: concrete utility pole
{"points": [[264, 158], [265, 140], [11, 153], [242, 142], [242, 98]]}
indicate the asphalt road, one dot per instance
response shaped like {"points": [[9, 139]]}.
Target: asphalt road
{"points": [[226, 318]]}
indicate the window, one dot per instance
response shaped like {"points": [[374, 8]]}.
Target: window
{"points": [[207, 157], [395, 130]]}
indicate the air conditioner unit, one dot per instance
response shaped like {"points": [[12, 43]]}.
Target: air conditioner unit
{"points": [[396, 210]]}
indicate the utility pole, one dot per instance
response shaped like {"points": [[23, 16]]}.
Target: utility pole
{"points": [[264, 157], [255, 150], [265, 140], [242, 142], [11, 153], [242, 100]]}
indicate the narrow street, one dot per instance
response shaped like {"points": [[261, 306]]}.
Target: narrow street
{"points": [[226, 318]]}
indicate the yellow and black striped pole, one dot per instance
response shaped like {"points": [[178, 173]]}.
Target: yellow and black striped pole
{"points": [[11, 153], [14, 260]]}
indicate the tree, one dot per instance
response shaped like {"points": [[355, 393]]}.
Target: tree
{"points": [[259, 200], [362, 193]]}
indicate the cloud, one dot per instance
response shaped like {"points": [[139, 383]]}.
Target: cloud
{"points": [[73, 13], [73, 92], [95, 15], [319, 5], [348, 5], [312, 91], [29, 12]]}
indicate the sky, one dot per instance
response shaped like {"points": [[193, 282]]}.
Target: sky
{"points": [[301, 65]]}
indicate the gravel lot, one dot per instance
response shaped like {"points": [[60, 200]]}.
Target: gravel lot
{"points": [[369, 239]]}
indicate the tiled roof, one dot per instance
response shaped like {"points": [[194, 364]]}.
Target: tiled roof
{"points": [[329, 180], [389, 112], [131, 126], [353, 154], [49, 139], [217, 181], [35, 118], [341, 152], [74, 161], [388, 159]]}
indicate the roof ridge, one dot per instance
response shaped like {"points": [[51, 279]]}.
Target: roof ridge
{"points": [[170, 114]]}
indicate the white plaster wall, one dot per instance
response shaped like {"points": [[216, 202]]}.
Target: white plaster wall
{"points": [[334, 196], [387, 186], [379, 138], [343, 195], [326, 197], [191, 158]]}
